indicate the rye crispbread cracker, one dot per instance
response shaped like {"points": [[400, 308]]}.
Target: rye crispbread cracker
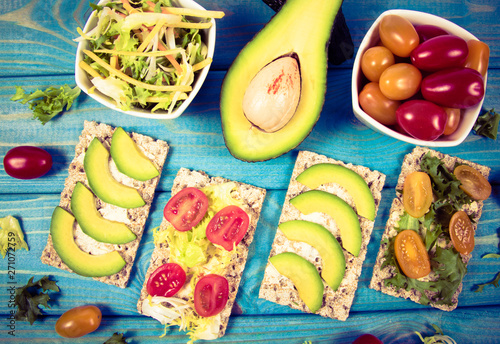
{"points": [[252, 198], [411, 163], [135, 219], [277, 288]]}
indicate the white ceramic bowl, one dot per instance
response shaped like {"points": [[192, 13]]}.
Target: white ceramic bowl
{"points": [[83, 81], [371, 38]]}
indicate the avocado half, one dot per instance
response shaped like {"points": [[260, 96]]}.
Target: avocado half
{"points": [[300, 29]]}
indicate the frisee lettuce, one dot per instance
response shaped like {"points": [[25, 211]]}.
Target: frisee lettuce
{"points": [[48, 103]]}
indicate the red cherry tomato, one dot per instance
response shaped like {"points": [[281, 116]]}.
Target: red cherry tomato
{"points": [[452, 121], [479, 56], [426, 32], [186, 209], [440, 52], [398, 35], [457, 87], [166, 280], [462, 232], [422, 119], [27, 162], [375, 60], [400, 81], [228, 227], [378, 106], [367, 339], [210, 295], [78, 321]]}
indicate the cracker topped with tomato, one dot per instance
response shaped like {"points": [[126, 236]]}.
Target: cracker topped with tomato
{"points": [[429, 237], [201, 248]]}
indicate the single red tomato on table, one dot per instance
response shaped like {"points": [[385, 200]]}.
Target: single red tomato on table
{"points": [[367, 339], [210, 295], [166, 280], [79, 321], [27, 162], [228, 227], [186, 209]]}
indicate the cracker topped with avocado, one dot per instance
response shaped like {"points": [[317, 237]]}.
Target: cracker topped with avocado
{"points": [[96, 229], [434, 216], [322, 237]]}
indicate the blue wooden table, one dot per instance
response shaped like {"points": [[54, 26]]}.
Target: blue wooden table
{"points": [[37, 51]]}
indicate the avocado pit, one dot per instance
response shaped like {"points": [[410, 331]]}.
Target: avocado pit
{"points": [[272, 96]]}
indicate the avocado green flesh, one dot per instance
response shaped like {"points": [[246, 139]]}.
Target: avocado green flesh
{"points": [[304, 277], [344, 216], [92, 223], [82, 263], [103, 184], [354, 184], [332, 256], [301, 28], [128, 157]]}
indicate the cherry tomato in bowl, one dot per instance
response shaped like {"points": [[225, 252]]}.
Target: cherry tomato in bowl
{"points": [[210, 295], [166, 280], [228, 227], [27, 162], [78, 321], [186, 208]]}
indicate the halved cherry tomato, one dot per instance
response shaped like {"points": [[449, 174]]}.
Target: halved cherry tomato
{"points": [[411, 254], [462, 232], [228, 227], [166, 280], [417, 194], [186, 209], [27, 162], [79, 321], [210, 295], [473, 183]]}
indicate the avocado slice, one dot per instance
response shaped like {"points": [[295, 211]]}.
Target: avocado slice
{"points": [[301, 30], [344, 216], [304, 277], [103, 184], [129, 158], [92, 223], [355, 185], [333, 265], [82, 263]]}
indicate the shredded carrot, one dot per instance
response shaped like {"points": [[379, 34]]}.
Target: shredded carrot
{"points": [[125, 77], [91, 71], [202, 64]]}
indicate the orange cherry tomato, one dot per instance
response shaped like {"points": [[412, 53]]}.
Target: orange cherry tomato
{"points": [[378, 106], [411, 254], [452, 121], [78, 321], [462, 232], [400, 81], [398, 35], [417, 194], [375, 60], [479, 55], [473, 182]]}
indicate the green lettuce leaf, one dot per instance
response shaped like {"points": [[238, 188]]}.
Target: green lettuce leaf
{"points": [[11, 235]]}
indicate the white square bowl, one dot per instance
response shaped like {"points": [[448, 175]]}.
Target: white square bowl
{"points": [[371, 39], [83, 81]]}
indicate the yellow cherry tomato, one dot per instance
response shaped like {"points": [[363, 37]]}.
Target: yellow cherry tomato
{"points": [[400, 81], [398, 35], [417, 194], [378, 106], [374, 61]]}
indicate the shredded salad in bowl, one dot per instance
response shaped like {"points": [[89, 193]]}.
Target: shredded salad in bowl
{"points": [[146, 57]]}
